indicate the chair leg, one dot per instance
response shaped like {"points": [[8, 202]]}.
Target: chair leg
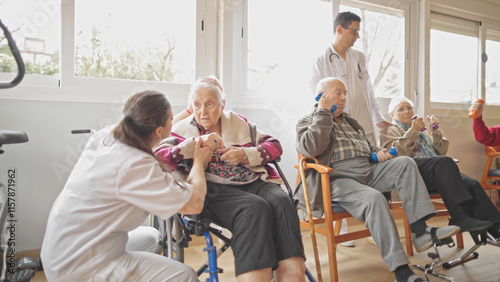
{"points": [[409, 241], [460, 240], [332, 258]]}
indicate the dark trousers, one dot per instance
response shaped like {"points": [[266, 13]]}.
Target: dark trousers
{"points": [[442, 175], [263, 220]]}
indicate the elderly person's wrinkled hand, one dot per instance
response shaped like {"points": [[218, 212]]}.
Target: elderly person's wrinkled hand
{"points": [[433, 120], [212, 140], [202, 154], [417, 124], [326, 102], [234, 156], [478, 107], [383, 155]]}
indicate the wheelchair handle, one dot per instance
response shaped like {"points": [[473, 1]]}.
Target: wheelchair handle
{"points": [[17, 56]]}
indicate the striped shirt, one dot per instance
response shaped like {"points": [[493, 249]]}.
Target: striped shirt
{"points": [[349, 143]]}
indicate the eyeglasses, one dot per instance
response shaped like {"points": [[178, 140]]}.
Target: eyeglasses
{"points": [[356, 31]]}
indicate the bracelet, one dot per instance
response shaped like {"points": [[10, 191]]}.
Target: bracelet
{"points": [[188, 111]]}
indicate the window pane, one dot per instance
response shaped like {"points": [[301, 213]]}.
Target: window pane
{"points": [[36, 27], [453, 70], [382, 40], [284, 37], [492, 78], [141, 40]]}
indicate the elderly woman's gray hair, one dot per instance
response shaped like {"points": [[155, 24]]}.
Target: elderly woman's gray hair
{"points": [[207, 82], [324, 83], [395, 103]]}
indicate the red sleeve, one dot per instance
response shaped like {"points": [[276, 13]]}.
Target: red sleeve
{"points": [[484, 135]]}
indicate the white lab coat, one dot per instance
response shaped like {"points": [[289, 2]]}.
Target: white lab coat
{"points": [[111, 190], [360, 96]]}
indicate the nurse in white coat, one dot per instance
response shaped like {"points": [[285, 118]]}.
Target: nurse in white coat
{"points": [[342, 61], [115, 185]]}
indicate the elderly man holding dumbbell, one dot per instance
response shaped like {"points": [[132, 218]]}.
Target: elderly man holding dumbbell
{"points": [[357, 183]]}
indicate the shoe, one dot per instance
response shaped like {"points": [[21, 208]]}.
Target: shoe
{"points": [[343, 230], [471, 224], [351, 243], [370, 240], [424, 241]]}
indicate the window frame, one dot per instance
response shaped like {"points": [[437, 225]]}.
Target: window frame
{"points": [[487, 17], [242, 97], [68, 87], [410, 9]]}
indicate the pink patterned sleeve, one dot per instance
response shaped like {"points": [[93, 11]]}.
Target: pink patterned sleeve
{"points": [[170, 152], [269, 148]]}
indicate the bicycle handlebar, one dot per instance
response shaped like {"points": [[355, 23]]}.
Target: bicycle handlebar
{"points": [[81, 131], [17, 56]]}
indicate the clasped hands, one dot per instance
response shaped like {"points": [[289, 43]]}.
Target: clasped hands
{"points": [[230, 155]]}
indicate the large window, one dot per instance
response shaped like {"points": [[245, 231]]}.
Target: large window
{"points": [[453, 60], [151, 40], [283, 46], [283, 39], [382, 40], [35, 26], [101, 51], [492, 77]]}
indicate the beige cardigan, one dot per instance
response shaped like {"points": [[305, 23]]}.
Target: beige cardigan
{"points": [[404, 141]]}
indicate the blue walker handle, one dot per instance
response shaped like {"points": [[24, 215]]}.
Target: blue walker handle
{"points": [[392, 151], [334, 107]]}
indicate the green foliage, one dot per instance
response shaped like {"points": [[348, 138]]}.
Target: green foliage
{"points": [[95, 60]]}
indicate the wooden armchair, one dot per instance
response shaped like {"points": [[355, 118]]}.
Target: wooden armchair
{"points": [[333, 213], [491, 174]]}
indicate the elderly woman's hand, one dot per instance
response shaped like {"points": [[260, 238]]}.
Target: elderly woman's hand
{"points": [[212, 140], [417, 124], [234, 156], [433, 120], [202, 155]]}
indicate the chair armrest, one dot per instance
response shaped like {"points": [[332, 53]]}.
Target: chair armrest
{"points": [[491, 151], [325, 180], [315, 165], [492, 154]]}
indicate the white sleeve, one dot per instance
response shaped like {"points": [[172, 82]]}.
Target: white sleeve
{"points": [[317, 73], [143, 184], [374, 104]]}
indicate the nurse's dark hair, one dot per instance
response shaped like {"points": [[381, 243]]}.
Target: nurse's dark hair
{"points": [[143, 113], [345, 19]]}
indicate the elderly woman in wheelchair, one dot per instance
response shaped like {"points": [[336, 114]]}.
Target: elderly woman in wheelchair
{"points": [[243, 194]]}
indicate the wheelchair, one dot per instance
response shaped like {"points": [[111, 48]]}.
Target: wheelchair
{"points": [[177, 231]]}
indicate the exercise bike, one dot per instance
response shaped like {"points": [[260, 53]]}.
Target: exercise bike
{"points": [[12, 269]]}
